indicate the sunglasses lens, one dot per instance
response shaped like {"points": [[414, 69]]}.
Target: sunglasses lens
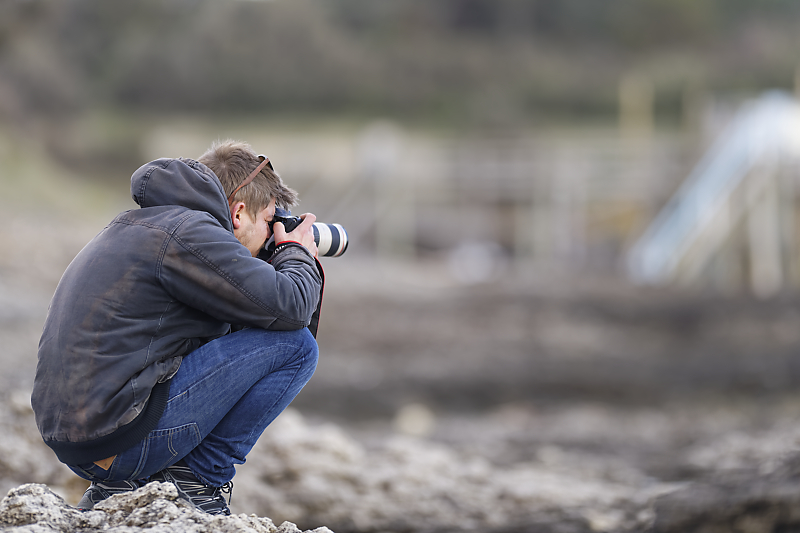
{"points": [[262, 157]]}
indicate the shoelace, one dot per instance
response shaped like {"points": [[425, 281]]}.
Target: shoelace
{"points": [[199, 492], [227, 488]]}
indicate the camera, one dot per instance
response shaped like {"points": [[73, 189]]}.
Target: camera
{"points": [[331, 239]]}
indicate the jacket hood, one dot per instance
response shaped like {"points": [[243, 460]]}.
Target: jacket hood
{"points": [[184, 182]]}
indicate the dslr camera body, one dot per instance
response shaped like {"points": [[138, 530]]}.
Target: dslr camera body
{"points": [[331, 239]]}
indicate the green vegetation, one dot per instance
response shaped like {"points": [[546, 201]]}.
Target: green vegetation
{"points": [[450, 63], [453, 57]]}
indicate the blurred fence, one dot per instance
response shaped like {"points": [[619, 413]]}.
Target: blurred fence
{"points": [[574, 200], [571, 200], [733, 222]]}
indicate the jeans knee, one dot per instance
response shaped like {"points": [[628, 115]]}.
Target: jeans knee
{"points": [[311, 355]]}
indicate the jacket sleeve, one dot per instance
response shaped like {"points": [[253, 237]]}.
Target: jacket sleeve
{"points": [[280, 255], [204, 266]]}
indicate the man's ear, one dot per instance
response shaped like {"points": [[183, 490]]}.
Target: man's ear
{"points": [[236, 214]]}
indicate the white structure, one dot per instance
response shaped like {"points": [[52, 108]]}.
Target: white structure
{"points": [[734, 215]]}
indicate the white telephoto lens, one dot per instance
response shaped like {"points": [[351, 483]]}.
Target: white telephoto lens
{"points": [[331, 239]]}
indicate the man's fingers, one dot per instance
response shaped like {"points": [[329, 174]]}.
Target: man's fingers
{"points": [[279, 231], [308, 220]]}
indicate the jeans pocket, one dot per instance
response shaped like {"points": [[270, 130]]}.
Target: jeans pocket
{"points": [[158, 450], [166, 446]]}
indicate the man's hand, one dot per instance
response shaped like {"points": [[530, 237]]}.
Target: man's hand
{"points": [[302, 233]]}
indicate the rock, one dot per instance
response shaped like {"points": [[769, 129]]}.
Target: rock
{"points": [[309, 474], [23, 456], [318, 474], [746, 501], [34, 508], [301, 472]]}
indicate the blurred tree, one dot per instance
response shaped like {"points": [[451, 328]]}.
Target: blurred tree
{"points": [[451, 60]]}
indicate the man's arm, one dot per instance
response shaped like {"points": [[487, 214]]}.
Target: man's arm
{"points": [[205, 267]]}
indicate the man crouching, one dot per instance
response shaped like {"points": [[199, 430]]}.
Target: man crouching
{"points": [[169, 345]]}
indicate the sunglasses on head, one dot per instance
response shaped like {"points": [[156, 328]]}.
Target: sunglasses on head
{"points": [[264, 162]]}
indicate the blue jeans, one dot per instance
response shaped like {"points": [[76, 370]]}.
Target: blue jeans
{"points": [[222, 398]]}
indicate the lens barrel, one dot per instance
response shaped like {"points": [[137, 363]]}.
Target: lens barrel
{"points": [[331, 239]]}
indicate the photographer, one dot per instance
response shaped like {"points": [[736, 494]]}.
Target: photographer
{"points": [[169, 346]]}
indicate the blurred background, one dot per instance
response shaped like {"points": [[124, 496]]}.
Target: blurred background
{"points": [[564, 214], [517, 135]]}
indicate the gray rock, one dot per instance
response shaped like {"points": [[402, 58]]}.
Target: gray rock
{"points": [[34, 508], [318, 474], [746, 501]]}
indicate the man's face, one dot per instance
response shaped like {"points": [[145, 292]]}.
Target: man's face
{"points": [[253, 233]]}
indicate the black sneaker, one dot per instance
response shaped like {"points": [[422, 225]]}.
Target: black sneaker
{"points": [[204, 497], [98, 492]]}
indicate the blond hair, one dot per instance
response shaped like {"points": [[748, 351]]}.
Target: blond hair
{"points": [[232, 161]]}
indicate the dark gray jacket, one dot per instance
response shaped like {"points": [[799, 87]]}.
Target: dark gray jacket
{"points": [[154, 285]]}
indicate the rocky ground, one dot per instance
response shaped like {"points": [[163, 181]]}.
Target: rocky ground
{"points": [[538, 403], [156, 507]]}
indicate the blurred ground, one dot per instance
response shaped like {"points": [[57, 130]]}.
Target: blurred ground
{"points": [[515, 370]]}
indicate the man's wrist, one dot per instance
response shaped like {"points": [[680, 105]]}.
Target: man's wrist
{"points": [[281, 246]]}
